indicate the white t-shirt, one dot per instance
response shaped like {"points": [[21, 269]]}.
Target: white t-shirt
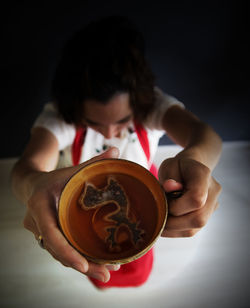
{"points": [[95, 143]]}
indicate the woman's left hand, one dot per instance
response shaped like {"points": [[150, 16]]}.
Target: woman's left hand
{"points": [[190, 212]]}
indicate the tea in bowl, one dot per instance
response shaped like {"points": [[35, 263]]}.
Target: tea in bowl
{"points": [[112, 211]]}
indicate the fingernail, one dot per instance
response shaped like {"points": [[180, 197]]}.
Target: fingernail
{"points": [[81, 267], [113, 267], [172, 180], [98, 276], [114, 152]]}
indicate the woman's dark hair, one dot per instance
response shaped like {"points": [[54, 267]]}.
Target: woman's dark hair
{"points": [[104, 58]]}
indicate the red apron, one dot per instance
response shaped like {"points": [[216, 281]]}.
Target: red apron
{"points": [[136, 272]]}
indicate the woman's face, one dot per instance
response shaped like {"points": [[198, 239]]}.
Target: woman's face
{"points": [[109, 119]]}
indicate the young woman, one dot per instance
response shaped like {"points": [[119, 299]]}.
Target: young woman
{"points": [[105, 102]]}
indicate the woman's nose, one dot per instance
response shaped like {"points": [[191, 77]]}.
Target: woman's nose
{"points": [[109, 131]]}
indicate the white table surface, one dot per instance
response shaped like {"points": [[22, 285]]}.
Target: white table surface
{"points": [[208, 270]]}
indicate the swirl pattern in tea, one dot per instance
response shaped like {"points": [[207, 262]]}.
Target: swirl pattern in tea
{"points": [[117, 226]]}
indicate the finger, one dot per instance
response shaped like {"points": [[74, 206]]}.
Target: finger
{"points": [[65, 253], [30, 225], [112, 152], [170, 178], [99, 272], [196, 219], [179, 234], [171, 185], [113, 267], [53, 239], [59, 248], [169, 169], [196, 178], [52, 253]]}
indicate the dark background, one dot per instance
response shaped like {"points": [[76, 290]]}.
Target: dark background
{"points": [[197, 49]]}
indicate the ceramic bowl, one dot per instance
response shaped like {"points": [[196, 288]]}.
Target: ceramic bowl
{"points": [[112, 211]]}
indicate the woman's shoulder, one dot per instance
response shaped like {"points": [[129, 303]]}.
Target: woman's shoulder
{"points": [[50, 119], [161, 97], [163, 102]]}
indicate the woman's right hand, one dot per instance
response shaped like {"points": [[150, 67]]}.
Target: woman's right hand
{"points": [[41, 219]]}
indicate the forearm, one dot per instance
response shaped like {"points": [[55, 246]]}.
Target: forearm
{"points": [[199, 140], [23, 178], [40, 156], [203, 145]]}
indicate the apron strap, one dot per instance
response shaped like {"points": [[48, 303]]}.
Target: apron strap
{"points": [[143, 138], [76, 149]]}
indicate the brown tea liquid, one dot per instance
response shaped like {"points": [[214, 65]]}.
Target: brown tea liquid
{"points": [[89, 227]]}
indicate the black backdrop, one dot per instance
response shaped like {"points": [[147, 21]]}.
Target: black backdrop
{"points": [[197, 49]]}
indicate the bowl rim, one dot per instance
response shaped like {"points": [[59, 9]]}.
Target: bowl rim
{"points": [[124, 259]]}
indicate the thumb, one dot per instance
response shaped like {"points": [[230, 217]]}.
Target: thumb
{"points": [[112, 152], [171, 185]]}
